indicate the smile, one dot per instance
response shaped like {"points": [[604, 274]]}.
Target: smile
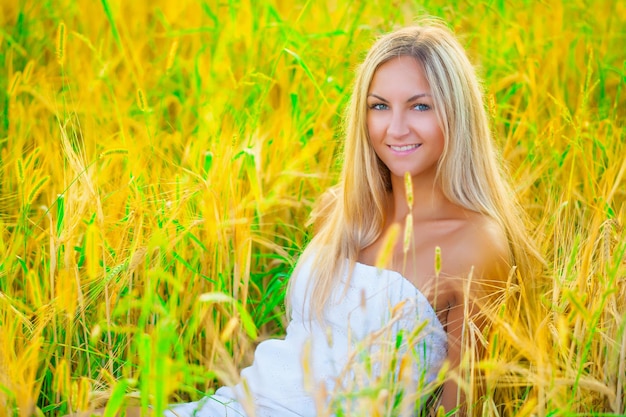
{"points": [[405, 148]]}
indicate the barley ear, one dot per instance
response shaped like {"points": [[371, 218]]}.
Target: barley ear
{"points": [[437, 261], [408, 187], [61, 38], [141, 100], [408, 232], [61, 380], [15, 82], [20, 170], [116, 151], [171, 56], [385, 254], [28, 70], [34, 192], [408, 225]]}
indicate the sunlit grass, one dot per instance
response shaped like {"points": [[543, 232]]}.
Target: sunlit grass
{"points": [[159, 161]]}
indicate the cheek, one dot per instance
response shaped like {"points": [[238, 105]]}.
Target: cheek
{"points": [[374, 127], [433, 130], [369, 122], [437, 134]]}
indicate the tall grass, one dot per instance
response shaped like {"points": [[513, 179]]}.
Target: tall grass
{"points": [[159, 160]]}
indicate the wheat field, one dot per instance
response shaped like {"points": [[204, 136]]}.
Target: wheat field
{"points": [[159, 160]]}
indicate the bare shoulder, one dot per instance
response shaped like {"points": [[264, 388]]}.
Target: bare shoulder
{"points": [[481, 245]]}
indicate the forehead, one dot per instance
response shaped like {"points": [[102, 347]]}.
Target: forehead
{"points": [[400, 74]]}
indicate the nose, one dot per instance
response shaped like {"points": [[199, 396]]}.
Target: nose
{"points": [[398, 126]]}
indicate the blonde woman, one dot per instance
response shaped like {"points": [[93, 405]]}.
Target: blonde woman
{"points": [[420, 229]]}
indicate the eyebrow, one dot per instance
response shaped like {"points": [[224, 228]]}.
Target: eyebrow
{"points": [[410, 99]]}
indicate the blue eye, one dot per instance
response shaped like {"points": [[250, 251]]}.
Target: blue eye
{"points": [[421, 107], [379, 106]]}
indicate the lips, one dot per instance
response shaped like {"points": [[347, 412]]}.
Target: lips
{"points": [[404, 148]]}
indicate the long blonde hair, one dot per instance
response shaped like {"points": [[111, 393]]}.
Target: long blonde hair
{"points": [[351, 216]]}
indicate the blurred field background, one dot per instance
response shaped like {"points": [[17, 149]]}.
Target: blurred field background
{"points": [[159, 160]]}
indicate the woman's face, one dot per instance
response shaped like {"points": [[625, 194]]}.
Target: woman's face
{"points": [[401, 119]]}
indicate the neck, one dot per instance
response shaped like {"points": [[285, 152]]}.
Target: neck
{"points": [[428, 200]]}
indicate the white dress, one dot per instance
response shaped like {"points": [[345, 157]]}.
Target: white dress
{"points": [[381, 340]]}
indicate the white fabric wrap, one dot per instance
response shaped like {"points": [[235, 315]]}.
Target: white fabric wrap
{"points": [[377, 325]]}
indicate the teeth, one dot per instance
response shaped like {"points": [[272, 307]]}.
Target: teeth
{"points": [[404, 148]]}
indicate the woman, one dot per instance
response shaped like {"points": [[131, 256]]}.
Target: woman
{"points": [[375, 313]]}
